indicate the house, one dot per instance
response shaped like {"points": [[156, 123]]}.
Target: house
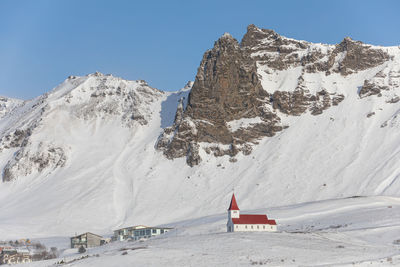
{"points": [[138, 232], [87, 240], [247, 222], [15, 256]]}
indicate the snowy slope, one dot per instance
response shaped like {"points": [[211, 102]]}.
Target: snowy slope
{"points": [[342, 232], [86, 159]]}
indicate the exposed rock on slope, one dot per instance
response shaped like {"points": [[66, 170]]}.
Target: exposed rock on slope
{"points": [[246, 85], [226, 89], [7, 105], [280, 53], [383, 83], [297, 102], [26, 161]]}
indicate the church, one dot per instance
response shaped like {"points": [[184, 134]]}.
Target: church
{"points": [[248, 222]]}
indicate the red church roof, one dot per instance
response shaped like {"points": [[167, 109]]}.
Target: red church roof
{"points": [[233, 205], [253, 219]]}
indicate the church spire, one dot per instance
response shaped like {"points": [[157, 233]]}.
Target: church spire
{"points": [[233, 205]]}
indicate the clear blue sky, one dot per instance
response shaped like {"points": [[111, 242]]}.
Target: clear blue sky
{"points": [[162, 42]]}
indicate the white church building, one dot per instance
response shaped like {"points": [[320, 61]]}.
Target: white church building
{"points": [[247, 222]]}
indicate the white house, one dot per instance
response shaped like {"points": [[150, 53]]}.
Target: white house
{"points": [[247, 222], [138, 232]]}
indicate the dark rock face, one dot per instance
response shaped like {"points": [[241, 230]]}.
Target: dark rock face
{"points": [[358, 56], [283, 53], [369, 88], [226, 86], [228, 90], [269, 48], [297, 102]]}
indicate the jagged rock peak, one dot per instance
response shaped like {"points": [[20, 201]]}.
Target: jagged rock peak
{"points": [[254, 35], [227, 35], [347, 43], [226, 41], [226, 89]]}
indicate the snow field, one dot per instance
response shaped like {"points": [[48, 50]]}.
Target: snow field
{"points": [[352, 231]]}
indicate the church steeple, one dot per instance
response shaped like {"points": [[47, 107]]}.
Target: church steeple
{"points": [[233, 210], [233, 205]]}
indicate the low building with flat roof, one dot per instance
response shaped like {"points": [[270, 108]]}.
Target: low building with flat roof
{"points": [[139, 232]]}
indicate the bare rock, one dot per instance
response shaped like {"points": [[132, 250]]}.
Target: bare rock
{"points": [[357, 56], [226, 88], [193, 158], [369, 88], [299, 101], [26, 162]]}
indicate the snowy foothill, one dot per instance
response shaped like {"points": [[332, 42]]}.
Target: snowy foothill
{"points": [[361, 231]]}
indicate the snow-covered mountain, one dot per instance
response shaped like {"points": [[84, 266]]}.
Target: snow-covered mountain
{"points": [[278, 120]]}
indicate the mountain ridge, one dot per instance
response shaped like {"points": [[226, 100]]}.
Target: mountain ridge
{"points": [[235, 81], [93, 153]]}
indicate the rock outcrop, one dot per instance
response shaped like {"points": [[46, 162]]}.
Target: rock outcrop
{"points": [[299, 101], [226, 89], [26, 162], [228, 108], [280, 53]]}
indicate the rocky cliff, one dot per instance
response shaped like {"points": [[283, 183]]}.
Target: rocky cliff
{"points": [[254, 83], [226, 89]]}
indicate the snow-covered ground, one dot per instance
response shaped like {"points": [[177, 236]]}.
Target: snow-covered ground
{"points": [[361, 231]]}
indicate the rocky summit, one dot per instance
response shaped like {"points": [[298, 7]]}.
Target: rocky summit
{"points": [[227, 88], [254, 83]]}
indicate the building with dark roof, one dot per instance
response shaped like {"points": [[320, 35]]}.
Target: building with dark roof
{"points": [[86, 240]]}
